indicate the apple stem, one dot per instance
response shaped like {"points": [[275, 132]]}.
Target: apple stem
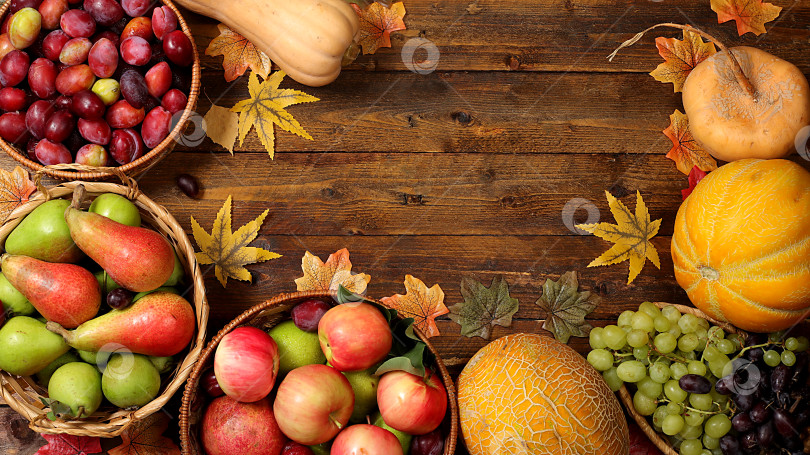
{"points": [[736, 67], [78, 197], [336, 422]]}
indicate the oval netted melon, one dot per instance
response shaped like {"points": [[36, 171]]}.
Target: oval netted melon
{"points": [[530, 394], [741, 246]]}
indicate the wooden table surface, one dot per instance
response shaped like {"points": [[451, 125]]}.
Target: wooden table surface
{"points": [[465, 170]]}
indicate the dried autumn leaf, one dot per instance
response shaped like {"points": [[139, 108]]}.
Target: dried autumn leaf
{"points": [[685, 151], [65, 444], [420, 303], [145, 437], [566, 307], [376, 24], [239, 54], [266, 106], [222, 126], [631, 236], [680, 57], [330, 275], [15, 189], [695, 176], [483, 307], [227, 250], [750, 15]]}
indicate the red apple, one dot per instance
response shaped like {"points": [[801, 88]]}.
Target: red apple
{"points": [[313, 403], [366, 440], [354, 336], [231, 427], [246, 364], [411, 403]]}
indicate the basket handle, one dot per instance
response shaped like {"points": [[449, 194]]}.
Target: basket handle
{"points": [[126, 180]]}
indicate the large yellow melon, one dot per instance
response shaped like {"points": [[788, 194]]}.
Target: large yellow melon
{"points": [[527, 394], [741, 245]]}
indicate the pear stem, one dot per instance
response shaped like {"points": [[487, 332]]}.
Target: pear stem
{"points": [[58, 329], [735, 64], [78, 197]]}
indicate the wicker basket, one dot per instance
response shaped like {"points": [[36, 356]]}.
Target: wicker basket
{"points": [[265, 316], [627, 400], [146, 161], [23, 393]]}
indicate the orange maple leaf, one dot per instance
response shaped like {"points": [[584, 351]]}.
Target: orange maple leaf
{"points": [[750, 15], [420, 303], [145, 437], [15, 189], [680, 57], [239, 54], [376, 24], [685, 151], [329, 275]]}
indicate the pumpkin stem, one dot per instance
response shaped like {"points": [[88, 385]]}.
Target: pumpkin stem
{"points": [[735, 64]]}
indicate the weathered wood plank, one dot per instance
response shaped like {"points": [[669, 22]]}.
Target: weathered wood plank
{"points": [[557, 35], [472, 112]]}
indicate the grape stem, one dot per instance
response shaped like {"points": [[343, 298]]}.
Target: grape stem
{"points": [[721, 411], [742, 351]]}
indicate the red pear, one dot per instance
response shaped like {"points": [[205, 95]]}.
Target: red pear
{"points": [[160, 324], [137, 258], [62, 293]]}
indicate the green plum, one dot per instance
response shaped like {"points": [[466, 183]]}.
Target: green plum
{"points": [[130, 380], [13, 300], [44, 234], [404, 438], [117, 208], [27, 347], [177, 274], [44, 375], [296, 347], [77, 385]]}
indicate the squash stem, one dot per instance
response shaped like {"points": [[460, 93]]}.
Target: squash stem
{"points": [[736, 67]]}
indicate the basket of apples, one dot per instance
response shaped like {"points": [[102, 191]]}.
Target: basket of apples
{"points": [[94, 82], [319, 372], [105, 309]]}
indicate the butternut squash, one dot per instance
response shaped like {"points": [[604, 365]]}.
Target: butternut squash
{"points": [[305, 38]]}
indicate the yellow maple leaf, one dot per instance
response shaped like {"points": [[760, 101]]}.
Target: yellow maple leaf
{"points": [[227, 250], [238, 53], [420, 303], [329, 275], [376, 24], [680, 57], [15, 189], [222, 126], [685, 151], [631, 236], [750, 15], [266, 107]]}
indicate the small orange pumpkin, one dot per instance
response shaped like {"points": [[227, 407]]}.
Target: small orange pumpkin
{"points": [[530, 394], [741, 245]]}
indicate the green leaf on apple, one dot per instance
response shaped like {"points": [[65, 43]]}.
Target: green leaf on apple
{"points": [[346, 296], [412, 362]]}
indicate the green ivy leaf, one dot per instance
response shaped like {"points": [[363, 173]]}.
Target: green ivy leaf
{"points": [[483, 307], [566, 307]]}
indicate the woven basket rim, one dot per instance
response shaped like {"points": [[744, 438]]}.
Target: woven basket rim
{"points": [[149, 159], [627, 400], [14, 388], [192, 384]]}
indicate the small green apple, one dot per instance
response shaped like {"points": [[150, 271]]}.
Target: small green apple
{"points": [[321, 449], [116, 208], [404, 438], [364, 384], [296, 348], [177, 274]]}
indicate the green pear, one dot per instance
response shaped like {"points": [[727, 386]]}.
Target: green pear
{"points": [[44, 234], [140, 295], [27, 347], [296, 347], [77, 385], [404, 438], [107, 284], [130, 380], [13, 299], [177, 274], [163, 364], [44, 375], [117, 208], [364, 384]]}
